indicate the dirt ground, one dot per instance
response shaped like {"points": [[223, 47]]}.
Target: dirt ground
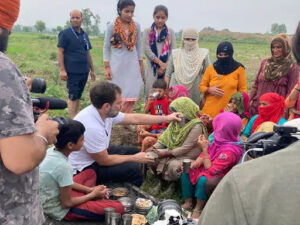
{"points": [[124, 135]]}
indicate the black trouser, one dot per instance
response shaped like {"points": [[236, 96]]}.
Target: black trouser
{"points": [[124, 172]]}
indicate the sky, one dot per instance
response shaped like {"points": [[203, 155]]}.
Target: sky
{"points": [[253, 16]]}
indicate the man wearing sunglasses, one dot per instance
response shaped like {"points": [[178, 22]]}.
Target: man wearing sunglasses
{"points": [[75, 60]]}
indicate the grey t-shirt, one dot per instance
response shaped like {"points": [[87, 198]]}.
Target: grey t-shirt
{"points": [[263, 191], [19, 195]]}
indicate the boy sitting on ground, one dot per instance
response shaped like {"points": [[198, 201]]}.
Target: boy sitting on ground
{"points": [[157, 104], [65, 197]]}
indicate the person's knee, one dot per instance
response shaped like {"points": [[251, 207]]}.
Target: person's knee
{"points": [[201, 181], [74, 96], [133, 168], [149, 142], [90, 173], [132, 150], [75, 85], [119, 208], [173, 172], [134, 173]]}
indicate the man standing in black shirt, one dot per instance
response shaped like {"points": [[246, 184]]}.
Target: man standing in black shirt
{"points": [[75, 60]]}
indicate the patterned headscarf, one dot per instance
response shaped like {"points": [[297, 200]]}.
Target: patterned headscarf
{"points": [[276, 68], [242, 102], [175, 135], [120, 36], [272, 112], [162, 37]]}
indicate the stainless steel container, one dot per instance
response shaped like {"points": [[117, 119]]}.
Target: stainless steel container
{"points": [[115, 219], [128, 203], [127, 219], [186, 165], [107, 213]]}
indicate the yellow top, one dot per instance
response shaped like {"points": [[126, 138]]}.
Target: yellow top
{"points": [[230, 84]]}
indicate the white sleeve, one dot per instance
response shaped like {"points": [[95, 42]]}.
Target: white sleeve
{"points": [[107, 44], [119, 118], [95, 140]]}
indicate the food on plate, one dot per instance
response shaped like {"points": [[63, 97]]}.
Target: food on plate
{"points": [[138, 219], [119, 192], [143, 203]]}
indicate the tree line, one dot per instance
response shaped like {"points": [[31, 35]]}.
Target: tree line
{"points": [[91, 25]]}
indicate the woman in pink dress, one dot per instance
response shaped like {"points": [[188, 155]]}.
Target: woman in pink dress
{"points": [[216, 159]]}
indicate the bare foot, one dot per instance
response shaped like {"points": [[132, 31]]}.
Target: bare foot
{"points": [[196, 214], [188, 205]]}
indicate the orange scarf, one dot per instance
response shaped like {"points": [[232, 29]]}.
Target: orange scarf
{"points": [[9, 12], [119, 35]]}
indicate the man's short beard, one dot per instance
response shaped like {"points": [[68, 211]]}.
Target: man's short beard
{"points": [[3, 39], [112, 113]]}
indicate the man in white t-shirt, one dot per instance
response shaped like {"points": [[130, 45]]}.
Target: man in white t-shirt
{"points": [[111, 163]]}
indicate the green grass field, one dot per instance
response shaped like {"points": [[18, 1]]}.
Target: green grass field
{"points": [[36, 56]]}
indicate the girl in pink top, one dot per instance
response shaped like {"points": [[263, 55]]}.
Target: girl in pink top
{"points": [[215, 160]]}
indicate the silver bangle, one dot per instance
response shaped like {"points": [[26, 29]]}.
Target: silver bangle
{"points": [[42, 137]]}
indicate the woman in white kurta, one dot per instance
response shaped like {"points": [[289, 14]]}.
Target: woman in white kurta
{"points": [[124, 63]]}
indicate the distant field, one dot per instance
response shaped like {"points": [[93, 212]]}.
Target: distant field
{"points": [[35, 55]]}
